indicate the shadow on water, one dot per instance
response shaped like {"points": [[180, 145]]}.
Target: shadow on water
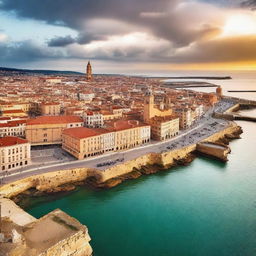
{"points": [[28, 202], [108, 194], [221, 165], [85, 192]]}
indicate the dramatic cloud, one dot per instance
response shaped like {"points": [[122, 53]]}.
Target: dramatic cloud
{"points": [[125, 48], [25, 51], [249, 3], [169, 31], [61, 41], [230, 49], [164, 18]]}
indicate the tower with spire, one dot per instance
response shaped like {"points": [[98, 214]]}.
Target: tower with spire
{"points": [[89, 72]]}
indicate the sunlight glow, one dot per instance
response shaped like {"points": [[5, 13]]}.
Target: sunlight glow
{"points": [[240, 24]]}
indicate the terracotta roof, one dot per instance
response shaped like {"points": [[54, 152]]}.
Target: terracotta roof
{"points": [[81, 132], [49, 103], [124, 124], [54, 120], [13, 111], [13, 123], [11, 141], [5, 118]]}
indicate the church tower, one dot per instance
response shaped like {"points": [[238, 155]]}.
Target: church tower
{"points": [[89, 71], [219, 91], [148, 106]]}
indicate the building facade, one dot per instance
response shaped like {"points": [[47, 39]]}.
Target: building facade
{"points": [[14, 153], [163, 128], [45, 130], [85, 142], [151, 111], [50, 109], [93, 119], [14, 113], [164, 125], [13, 128]]}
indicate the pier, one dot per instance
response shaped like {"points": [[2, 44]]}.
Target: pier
{"points": [[231, 114], [215, 150]]}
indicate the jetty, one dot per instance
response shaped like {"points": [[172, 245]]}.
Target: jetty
{"points": [[215, 150], [232, 115]]}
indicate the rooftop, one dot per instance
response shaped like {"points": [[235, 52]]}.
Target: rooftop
{"points": [[11, 141], [11, 111], [81, 132], [54, 120]]}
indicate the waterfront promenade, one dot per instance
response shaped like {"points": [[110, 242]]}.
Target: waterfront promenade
{"points": [[202, 129]]}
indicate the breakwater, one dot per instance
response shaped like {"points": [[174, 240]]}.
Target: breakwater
{"points": [[231, 115]]}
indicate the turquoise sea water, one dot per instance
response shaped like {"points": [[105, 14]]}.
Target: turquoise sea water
{"points": [[205, 209]]}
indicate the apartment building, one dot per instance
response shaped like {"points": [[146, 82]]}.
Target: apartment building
{"points": [[13, 128], [163, 128], [120, 135], [93, 119], [14, 113], [186, 117], [14, 153], [50, 109]]}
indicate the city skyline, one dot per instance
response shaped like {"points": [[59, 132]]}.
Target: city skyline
{"points": [[127, 36]]}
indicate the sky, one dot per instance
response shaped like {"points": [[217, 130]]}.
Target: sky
{"points": [[124, 36]]}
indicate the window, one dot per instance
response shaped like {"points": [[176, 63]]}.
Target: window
{"points": [[45, 135]]}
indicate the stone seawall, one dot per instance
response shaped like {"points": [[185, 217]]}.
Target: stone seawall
{"points": [[155, 160], [215, 150], [50, 182], [45, 182]]}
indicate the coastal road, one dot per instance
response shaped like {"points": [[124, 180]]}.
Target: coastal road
{"points": [[202, 129]]}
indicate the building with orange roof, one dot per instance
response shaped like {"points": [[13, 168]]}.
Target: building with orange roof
{"points": [[163, 128], [118, 135], [93, 119], [50, 108], [110, 115], [151, 111], [14, 153], [13, 128], [45, 130], [15, 106], [164, 125], [14, 113]]}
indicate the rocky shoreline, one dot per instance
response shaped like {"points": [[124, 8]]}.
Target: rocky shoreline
{"points": [[136, 173], [69, 180]]}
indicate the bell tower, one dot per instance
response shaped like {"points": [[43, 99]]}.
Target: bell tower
{"points": [[148, 106], [89, 72]]}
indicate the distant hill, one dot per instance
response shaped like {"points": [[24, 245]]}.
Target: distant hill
{"points": [[42, 72]]}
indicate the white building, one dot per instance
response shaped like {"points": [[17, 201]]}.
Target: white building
{"points": [[13, 128], [108, 140], [86, 96], [93, 119], [14, 153]]}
